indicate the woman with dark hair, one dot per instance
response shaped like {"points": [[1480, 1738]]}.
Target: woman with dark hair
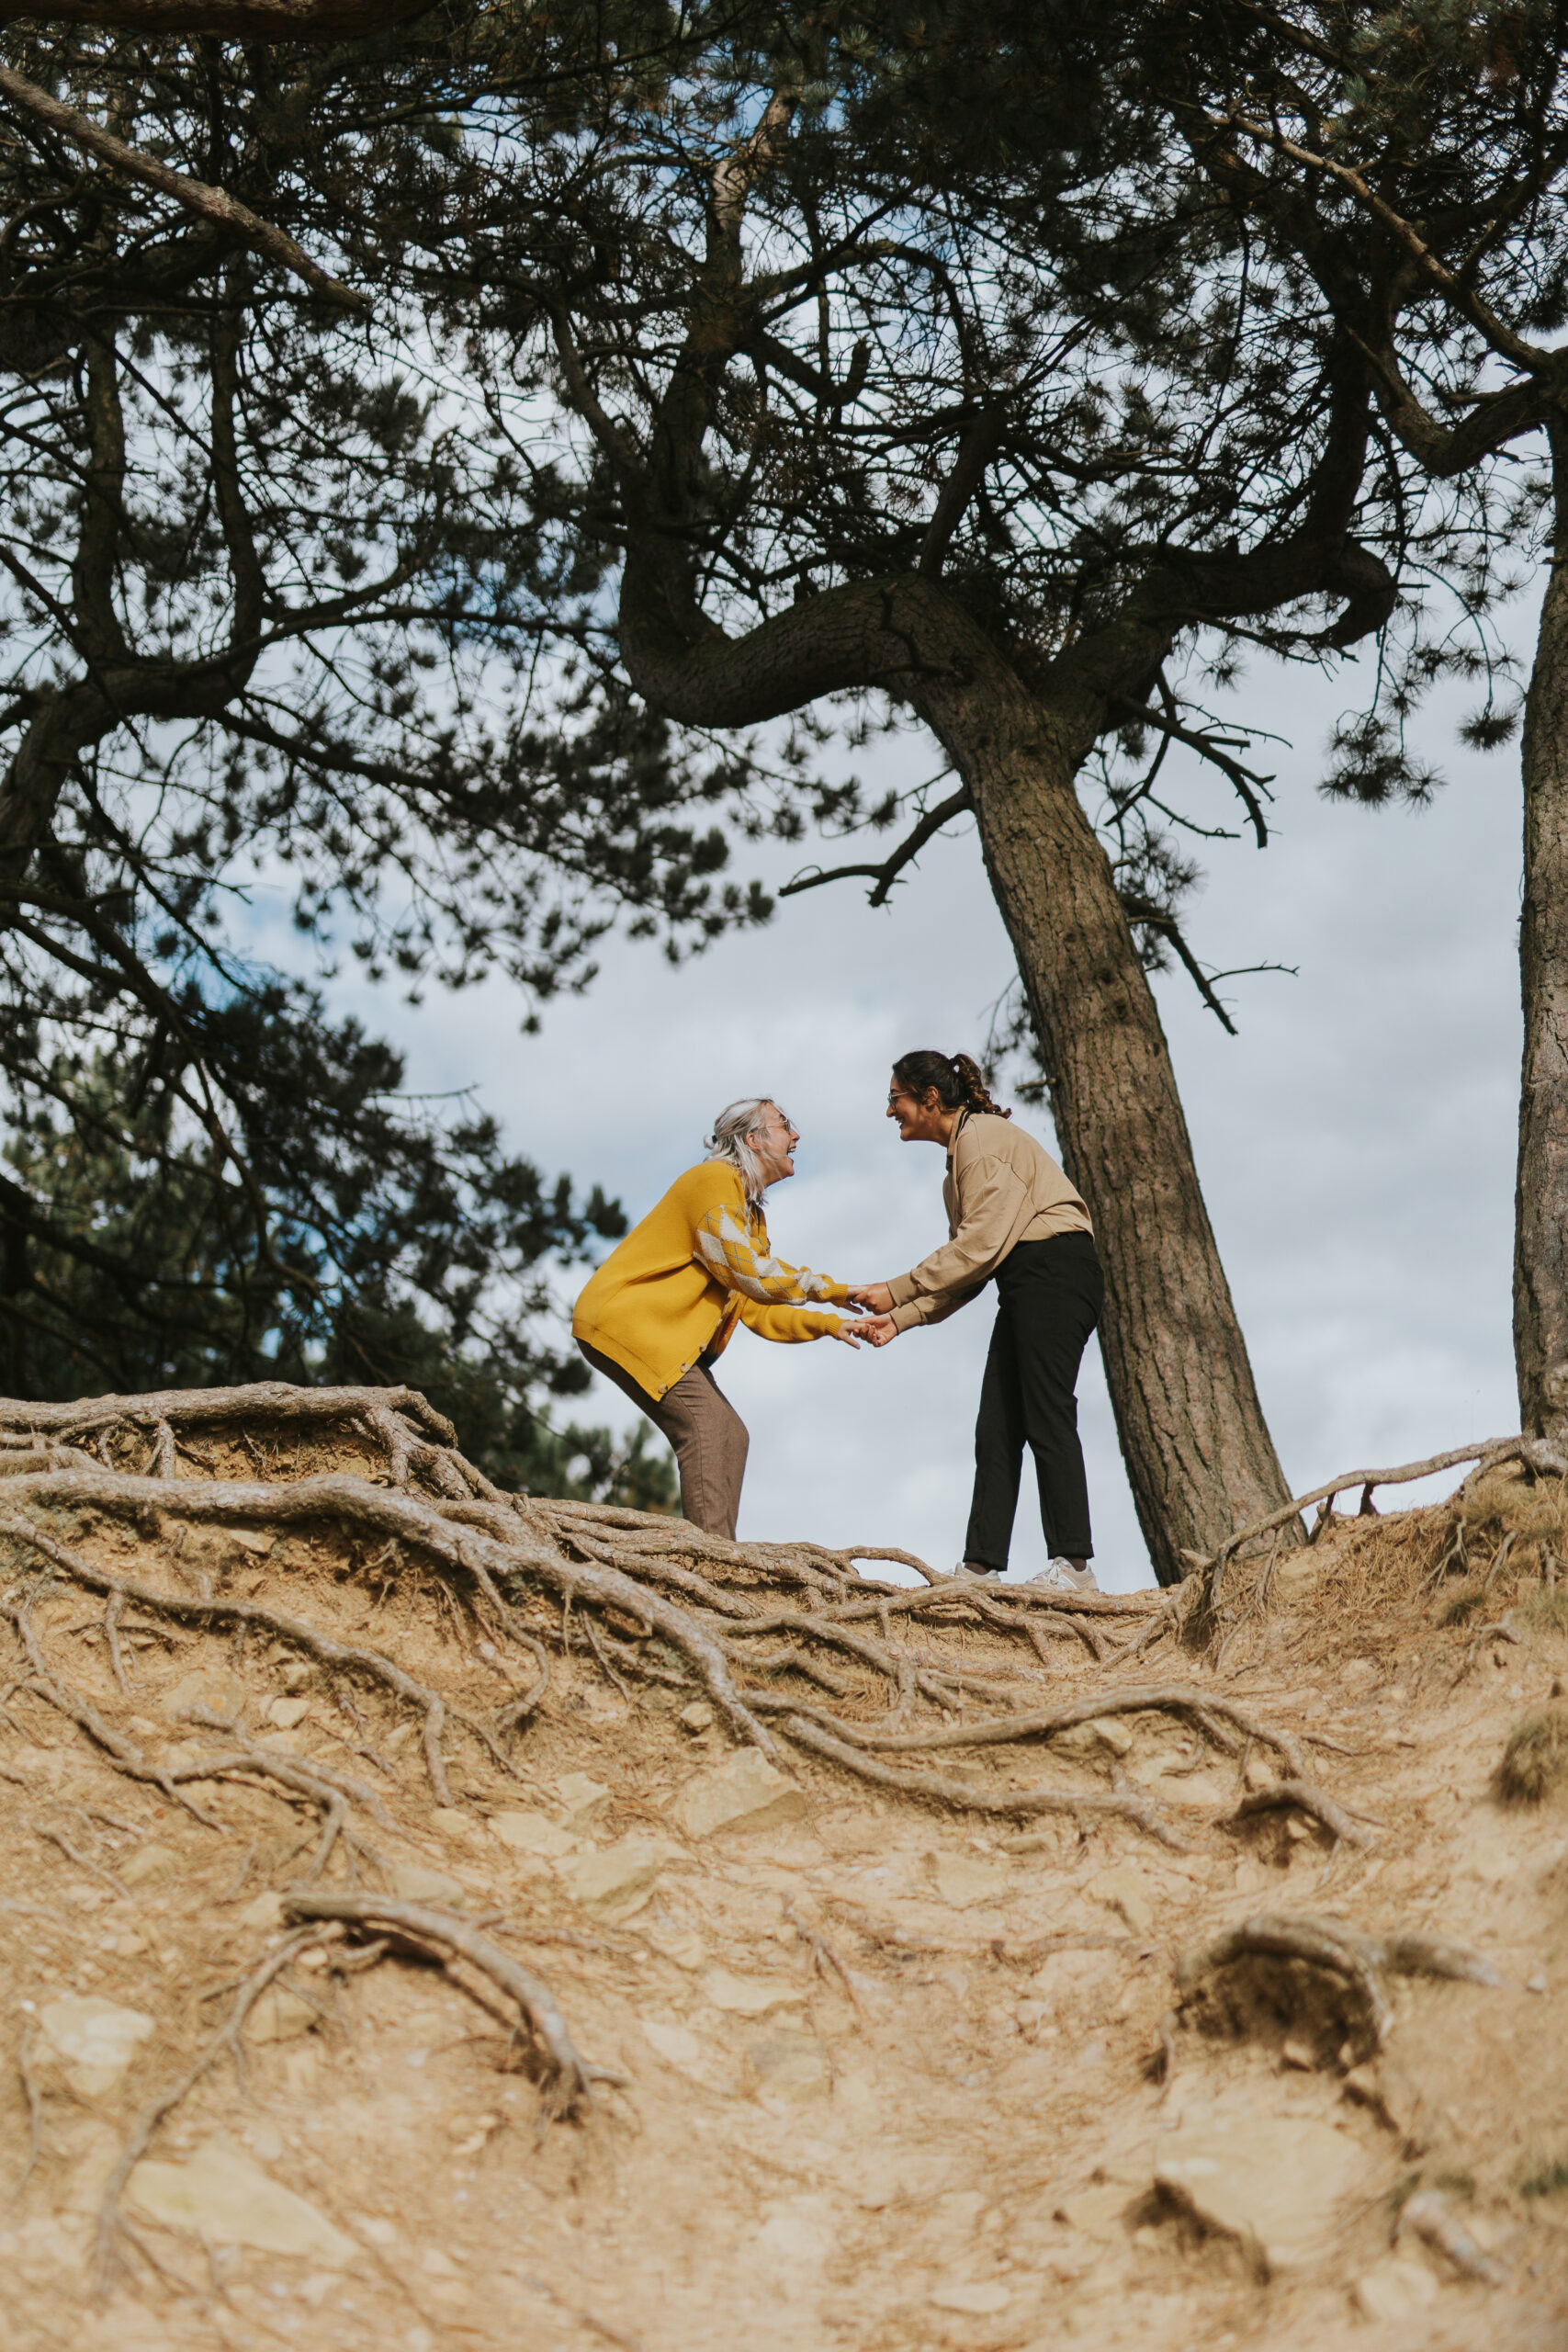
{"points": [[658, 1313], [1012, 1216]]}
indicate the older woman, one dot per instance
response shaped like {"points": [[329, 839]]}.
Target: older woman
{"points": [[660, 1311], [1013, 1218]]}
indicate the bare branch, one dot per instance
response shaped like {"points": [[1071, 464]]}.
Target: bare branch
{"points": [[1159, 919], [1212, 748], [884, 875], [207, 203]]}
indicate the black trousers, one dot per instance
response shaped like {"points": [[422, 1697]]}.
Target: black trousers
{"points": [[1049, 1299]]}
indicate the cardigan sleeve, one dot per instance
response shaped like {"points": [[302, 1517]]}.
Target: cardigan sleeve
{"points": [[728, 1253], [788, 1324]]}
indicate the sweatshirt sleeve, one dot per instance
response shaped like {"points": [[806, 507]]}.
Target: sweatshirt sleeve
{"points": [[994, 1195], [727, 1253], [909, 1312]]}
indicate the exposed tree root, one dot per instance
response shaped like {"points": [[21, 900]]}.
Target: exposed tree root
{"points": [[1303, 1797], [569, 2078], [206, 1609], [765, 1632], [1077, 1804], [1324, 1948], [1429, 2216]]}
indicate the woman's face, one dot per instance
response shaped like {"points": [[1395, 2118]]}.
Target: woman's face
{"points": [[774, 1140], [918, 1120]]}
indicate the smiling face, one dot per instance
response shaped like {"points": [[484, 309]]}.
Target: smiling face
{"points": [[773, 1140], [920, 1120]]}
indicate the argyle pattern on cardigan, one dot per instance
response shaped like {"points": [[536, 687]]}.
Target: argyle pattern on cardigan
{"points": [[740, 1261]]}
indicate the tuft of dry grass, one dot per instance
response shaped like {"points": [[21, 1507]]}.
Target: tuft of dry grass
{"points": [[1508, 1503], [1547, 1612], [1535, 1762]]}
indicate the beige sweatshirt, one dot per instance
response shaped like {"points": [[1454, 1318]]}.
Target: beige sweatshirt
{"points": [[1001, 1188]]}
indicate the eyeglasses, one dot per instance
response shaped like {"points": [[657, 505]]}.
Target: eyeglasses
{"points": [[897, 1097]]}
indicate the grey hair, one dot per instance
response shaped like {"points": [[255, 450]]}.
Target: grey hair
{"points": [[727, 1141]]}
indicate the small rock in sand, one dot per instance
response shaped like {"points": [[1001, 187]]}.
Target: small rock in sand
{"points": [[750, 1996], [216, 1694], [151, 1864], [580, 1798], [94, 2040], [413, 1883], [677, 2043], [224, 2198], [287, 1714], [1394, 2289], [619, 1879], [280, 2016], [1102, 1732], [961, 1881], [1273, 2182], [681, 1945], [1099, 2212], [977, 2299], [745, 1792], [1126, 1890], [794, 2065], [533, 1833]]}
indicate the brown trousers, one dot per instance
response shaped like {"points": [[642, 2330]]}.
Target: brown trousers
{"points": [[707, 1433]]}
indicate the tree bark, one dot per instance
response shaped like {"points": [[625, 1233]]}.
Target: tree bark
{"points": [[1541, 1201]]}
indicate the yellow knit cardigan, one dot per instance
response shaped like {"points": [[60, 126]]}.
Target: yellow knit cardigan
{"points": [[694, 1266]]}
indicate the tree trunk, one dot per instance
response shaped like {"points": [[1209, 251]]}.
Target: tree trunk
{"points": [[1541, 1201], [1200, 1460]]}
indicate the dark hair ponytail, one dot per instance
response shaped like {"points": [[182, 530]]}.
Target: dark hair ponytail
{"points": [[957, 1077]]}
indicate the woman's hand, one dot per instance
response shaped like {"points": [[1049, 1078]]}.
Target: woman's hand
{"points": [[850, 1332], [871, 1299], [878, 1330]]}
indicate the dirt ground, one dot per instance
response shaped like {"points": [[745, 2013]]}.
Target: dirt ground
{"points": [[897, 2074]]}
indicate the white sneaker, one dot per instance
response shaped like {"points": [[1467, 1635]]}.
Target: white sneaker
{"points": [[1065, 1575]]}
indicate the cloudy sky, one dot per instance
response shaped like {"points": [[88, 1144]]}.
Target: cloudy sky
{"points": [[1355, 1143]]}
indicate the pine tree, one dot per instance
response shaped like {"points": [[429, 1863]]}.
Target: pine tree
{"points": [[907, 376]]}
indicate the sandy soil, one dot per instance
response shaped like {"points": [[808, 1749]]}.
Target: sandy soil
{"points": [[892, 2070]]}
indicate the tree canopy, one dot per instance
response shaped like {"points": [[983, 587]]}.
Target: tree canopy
{"points": [[633, 399], [890, 367]]}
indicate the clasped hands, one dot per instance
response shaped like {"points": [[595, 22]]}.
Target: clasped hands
{"points": [[873, 1305]]}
